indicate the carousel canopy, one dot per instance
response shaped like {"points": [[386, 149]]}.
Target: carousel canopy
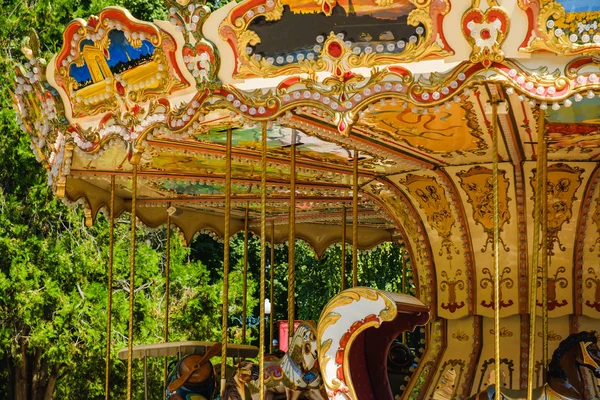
{"points": [[411, 90]]}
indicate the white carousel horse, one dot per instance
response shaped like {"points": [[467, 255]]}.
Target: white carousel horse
{"points": [[296, 373]]}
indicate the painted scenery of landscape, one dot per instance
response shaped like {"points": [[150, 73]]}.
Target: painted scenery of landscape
{"points": [[362, 25]]}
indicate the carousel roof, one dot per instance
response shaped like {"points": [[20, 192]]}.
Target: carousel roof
{"points": [[406, 87]]}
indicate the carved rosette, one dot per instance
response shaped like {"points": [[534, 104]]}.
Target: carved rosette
{"points": [[485, 32]]}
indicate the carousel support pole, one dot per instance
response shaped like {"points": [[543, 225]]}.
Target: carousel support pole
{"points": [[292, 243], [404, 292], [343, 249], [245, 283], [495, 102], [111, 235], [167, 290], [271, 288], [131, 282], [534, 264], [263, 263], [226, 259], [355, 220], [145, 376], [545, 254]]}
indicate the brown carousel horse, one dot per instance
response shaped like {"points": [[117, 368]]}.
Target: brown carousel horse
{"points": [[235, 387], [296, 374], [575, 355]]}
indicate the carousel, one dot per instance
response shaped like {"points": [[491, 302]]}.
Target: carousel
{"points": [[468, 132]]}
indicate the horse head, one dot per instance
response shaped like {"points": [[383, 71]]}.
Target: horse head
{"points": [[590, 354], [304, 346], [578, 350], [247, 371]]}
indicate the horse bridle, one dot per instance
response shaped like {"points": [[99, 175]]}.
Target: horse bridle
{"points": [[588, 361]]}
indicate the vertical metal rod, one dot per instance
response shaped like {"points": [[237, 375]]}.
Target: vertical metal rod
{"points": [[111, 235], [545, 256], [263, 264], [404, 267], [167, 293], [131, 283], [536, 252], [292, 243], [355, 220], [146, 377], [496, 247], [271, 288], [226, 242], [245, 283], [343, 249]]}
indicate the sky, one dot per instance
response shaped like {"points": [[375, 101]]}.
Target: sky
{"points": [[580, 5]]}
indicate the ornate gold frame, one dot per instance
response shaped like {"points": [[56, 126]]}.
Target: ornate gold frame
{"points": [[547, 31], [235, 30]]}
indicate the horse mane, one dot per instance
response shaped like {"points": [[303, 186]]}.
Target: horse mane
{"points": [[295, 352], [554, 369]]}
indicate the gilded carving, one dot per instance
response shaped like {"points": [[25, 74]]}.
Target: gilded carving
{"points": [[563, 182], [432, 200], [478, 184], [485, 32]]}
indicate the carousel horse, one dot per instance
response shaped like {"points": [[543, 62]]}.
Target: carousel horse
{"points": [[193, 377], [575, 356], [296, 374], [235, 387]]}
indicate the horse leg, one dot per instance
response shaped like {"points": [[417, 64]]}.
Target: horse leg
{"points": [[269, 395], [291, 394]]}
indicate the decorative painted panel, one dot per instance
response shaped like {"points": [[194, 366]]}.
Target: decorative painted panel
{"points": [[565, 191], [433, 203], [112, 62], [563, 27], [323, 35], [453, 129]]}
